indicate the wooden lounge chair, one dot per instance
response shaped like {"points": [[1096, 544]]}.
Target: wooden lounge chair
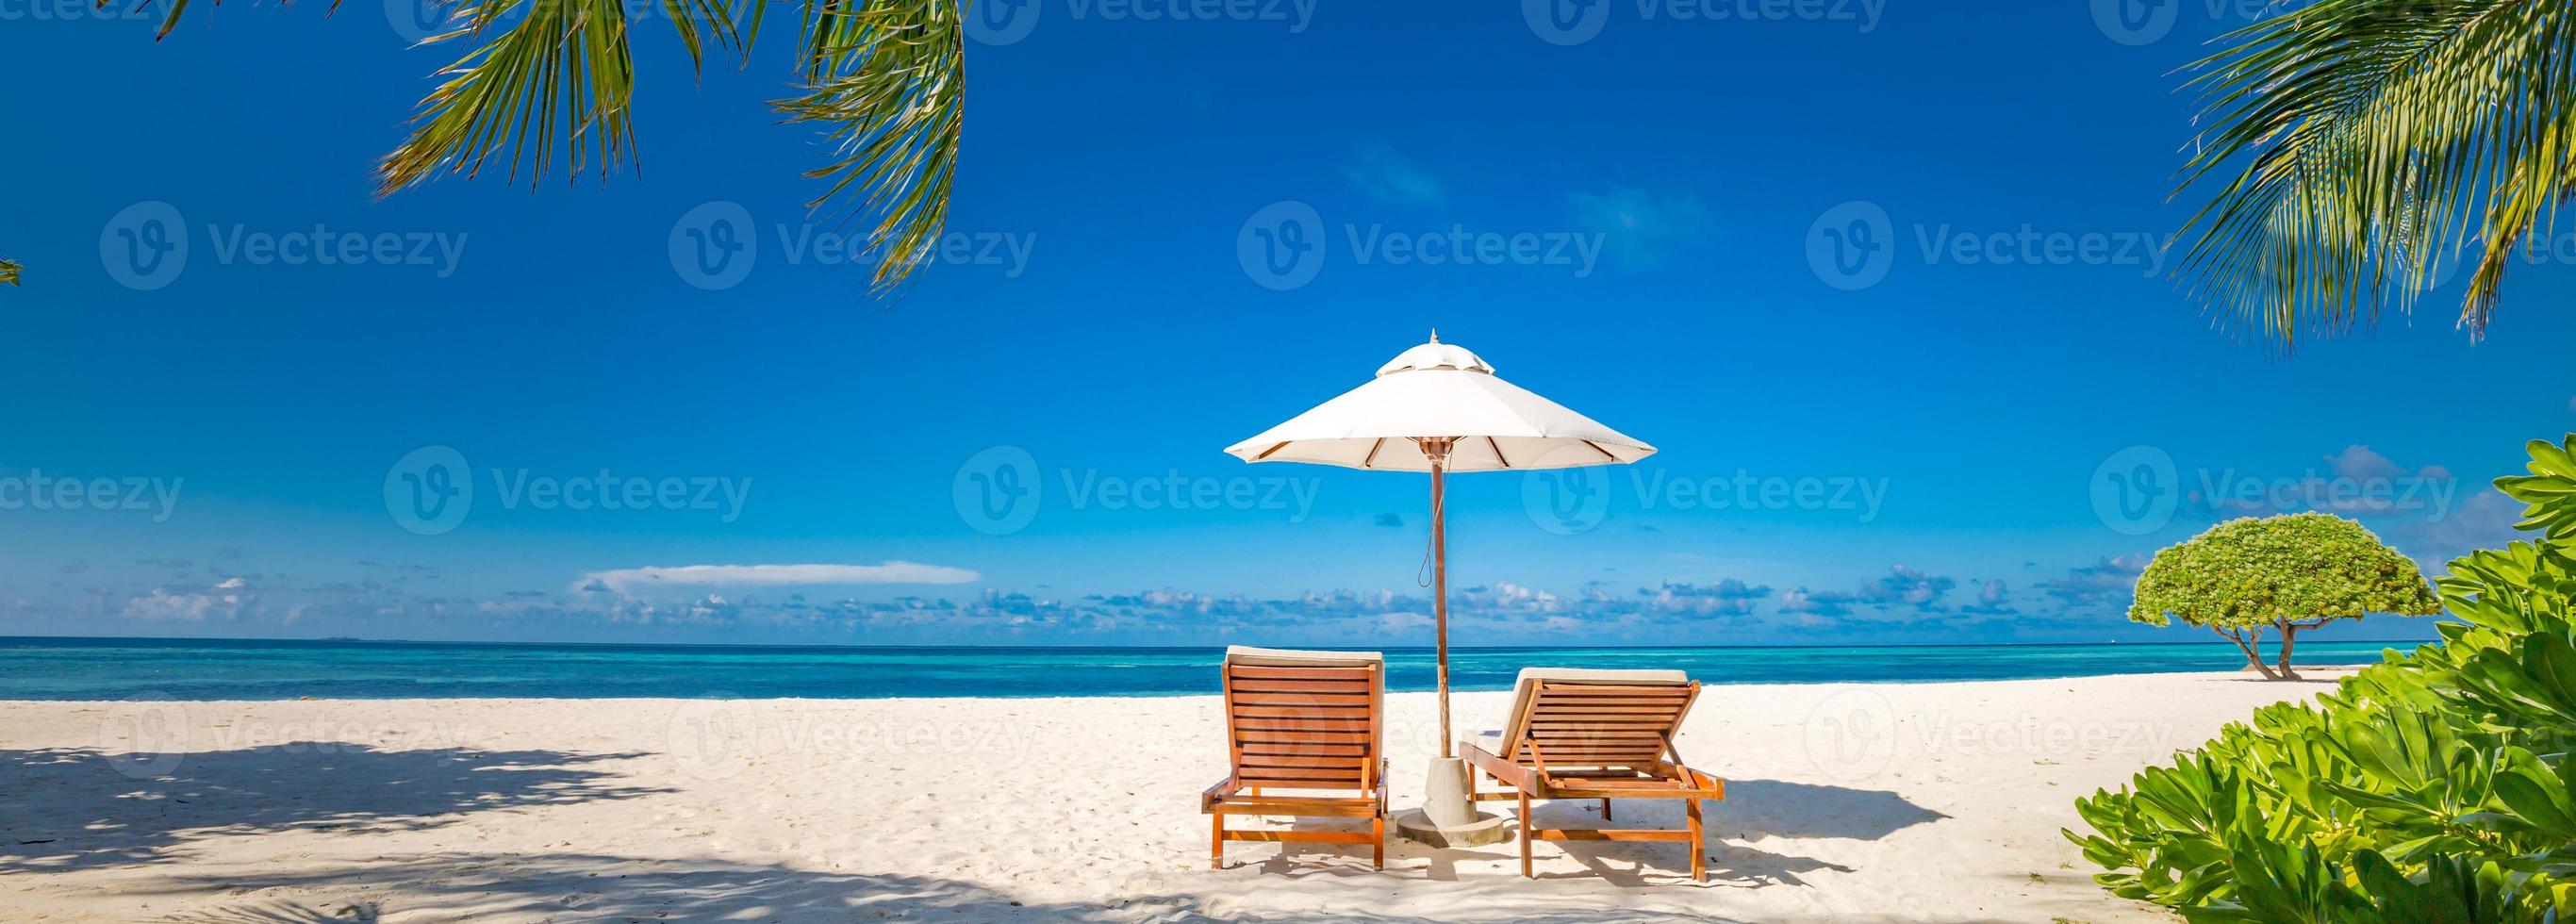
{"points": [[1598, 734], [1303, 731]]}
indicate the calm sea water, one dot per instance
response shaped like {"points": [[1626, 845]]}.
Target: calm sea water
{"points": [[58, 669]]}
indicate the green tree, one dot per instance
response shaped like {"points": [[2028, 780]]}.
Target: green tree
{"points": [[2371, 141], [2436, 785], [2285, 574], [547, 82], [9, 271]]}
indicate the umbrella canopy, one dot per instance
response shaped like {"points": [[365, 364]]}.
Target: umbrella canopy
{"points": [[1438, 408], [1441, 391]]}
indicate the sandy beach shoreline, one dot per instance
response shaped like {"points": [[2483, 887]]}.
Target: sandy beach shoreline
{"points": [[1913, 801]]}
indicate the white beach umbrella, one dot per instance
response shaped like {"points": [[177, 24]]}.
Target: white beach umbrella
{"points": [[1438, 408]]}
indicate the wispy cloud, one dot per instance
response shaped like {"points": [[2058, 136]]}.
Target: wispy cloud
{"points": [[1388, 177], [1641, 227], [631, 580]]}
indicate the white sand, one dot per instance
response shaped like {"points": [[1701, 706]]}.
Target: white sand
{"points": [[1848, 802]]}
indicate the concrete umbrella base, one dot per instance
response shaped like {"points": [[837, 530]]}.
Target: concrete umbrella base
{"points": [[1485, 830], [1448, 816]]}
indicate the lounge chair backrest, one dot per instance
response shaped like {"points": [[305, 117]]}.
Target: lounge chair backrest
{"points": [[1573, 717], [1304, 719]]}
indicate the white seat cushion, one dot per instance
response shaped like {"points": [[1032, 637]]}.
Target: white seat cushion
{"points": [[1290, 657]]}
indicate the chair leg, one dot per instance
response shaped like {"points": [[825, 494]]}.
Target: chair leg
{"points": [[1216, 841], [1377, 832], [1699, 851], [1605, 810], [1526, 838]]}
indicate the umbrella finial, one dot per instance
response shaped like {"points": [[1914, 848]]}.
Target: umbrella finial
{"points": [[1435, 335]]}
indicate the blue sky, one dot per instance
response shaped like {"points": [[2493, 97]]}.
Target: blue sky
{"points": [[1899, 444]]}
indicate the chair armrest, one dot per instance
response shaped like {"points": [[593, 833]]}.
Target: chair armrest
{"points": [[1512, 774], [1222, 789]]}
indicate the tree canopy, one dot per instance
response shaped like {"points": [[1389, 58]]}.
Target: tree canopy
{"points": [[2299, 568]]}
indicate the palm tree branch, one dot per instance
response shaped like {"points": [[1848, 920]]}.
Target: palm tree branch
{"points": [[884, 80], [2367, 137]]}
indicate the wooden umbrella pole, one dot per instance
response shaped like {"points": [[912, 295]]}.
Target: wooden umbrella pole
{"points": [[1438, 450]]}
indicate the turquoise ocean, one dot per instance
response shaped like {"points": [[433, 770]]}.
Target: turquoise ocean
{"points": [[91, 669]]}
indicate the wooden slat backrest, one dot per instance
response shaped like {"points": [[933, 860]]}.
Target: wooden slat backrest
{"points": [[1599, 724], [1304, 727]]}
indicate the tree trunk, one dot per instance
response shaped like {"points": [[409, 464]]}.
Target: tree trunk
{"points": [[2253, 648], [2289, 639]]}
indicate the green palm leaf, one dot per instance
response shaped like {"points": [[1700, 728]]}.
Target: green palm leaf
{"points": [[9, 272], [549, 84], [886, 79], [2371, 141]]}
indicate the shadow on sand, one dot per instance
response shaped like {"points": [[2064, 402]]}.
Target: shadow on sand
{"points": [[98, 813], [68, 809], [1756, 810]]}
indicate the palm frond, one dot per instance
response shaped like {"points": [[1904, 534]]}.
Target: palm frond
{"points": [[2377, 139], [8, 271], [886, 81], [552, 82], [562, 74]]}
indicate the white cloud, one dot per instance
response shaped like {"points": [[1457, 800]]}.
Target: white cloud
{"points": [[163, 604], [629, 580], [1388, 177]]}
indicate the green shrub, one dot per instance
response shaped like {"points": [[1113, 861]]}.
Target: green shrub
{"points": [[2433, 786], [2285, 573]]}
